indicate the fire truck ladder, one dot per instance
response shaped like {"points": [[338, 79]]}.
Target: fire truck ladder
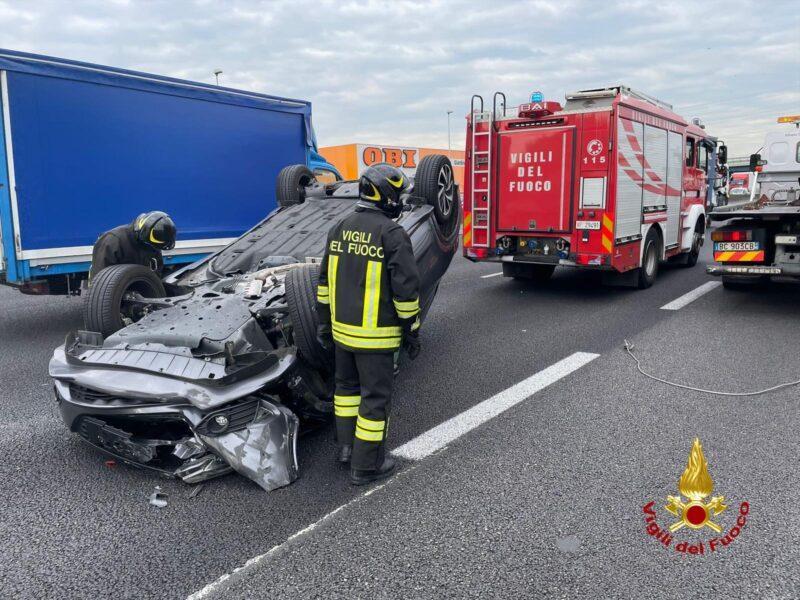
{"points": [[481, 200]]}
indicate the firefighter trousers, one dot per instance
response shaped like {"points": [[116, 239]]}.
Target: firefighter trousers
{"points": [[362, 401]]}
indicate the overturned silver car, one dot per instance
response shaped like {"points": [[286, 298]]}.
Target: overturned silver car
{"points": [[216, 368]]}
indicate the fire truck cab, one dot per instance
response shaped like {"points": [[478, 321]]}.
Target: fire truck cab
{"points": [[614, 180]]}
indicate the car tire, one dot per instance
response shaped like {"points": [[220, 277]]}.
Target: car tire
{"points": [[301, 298], [650, 258], [290, 187], [435, 183], [103, 309], [522, 272]]}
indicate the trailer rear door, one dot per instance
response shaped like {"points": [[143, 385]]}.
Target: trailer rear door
{"points": [[535, 180]]}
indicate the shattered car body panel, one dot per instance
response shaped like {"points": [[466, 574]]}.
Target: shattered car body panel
{"points": [[210, 380]]}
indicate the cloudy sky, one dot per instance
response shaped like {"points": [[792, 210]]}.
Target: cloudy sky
{"points": [[387, 72]]}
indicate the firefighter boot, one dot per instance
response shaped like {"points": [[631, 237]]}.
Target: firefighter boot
{"points": [[344, 454], [359, 477]]}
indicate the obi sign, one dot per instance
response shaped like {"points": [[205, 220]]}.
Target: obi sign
{"points": [[535, 191], [402, 158]]}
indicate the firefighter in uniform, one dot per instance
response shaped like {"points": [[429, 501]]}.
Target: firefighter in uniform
{"points": [[368, 306], [138, 243]]}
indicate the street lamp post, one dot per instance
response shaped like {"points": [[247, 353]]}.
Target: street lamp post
{"points": [[449, 150], [217, 73]]}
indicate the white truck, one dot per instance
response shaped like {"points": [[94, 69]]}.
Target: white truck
{"points": [[758, 239]]}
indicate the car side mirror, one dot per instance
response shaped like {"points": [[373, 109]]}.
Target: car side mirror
{"points": [[722, 154]]}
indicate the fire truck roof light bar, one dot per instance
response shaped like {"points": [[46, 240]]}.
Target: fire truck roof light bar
{"points": [[612, 91]]}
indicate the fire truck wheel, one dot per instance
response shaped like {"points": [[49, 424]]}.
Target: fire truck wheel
{"points": [[290, 187], [520, 272], [434, 182], [650, 257], [697, 241]]}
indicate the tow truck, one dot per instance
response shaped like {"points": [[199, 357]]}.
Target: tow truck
{"points": [[614, 181], [758, 239]]}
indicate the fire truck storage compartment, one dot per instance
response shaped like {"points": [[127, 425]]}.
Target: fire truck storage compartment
{"points": [[535, 180], [649, 171]]}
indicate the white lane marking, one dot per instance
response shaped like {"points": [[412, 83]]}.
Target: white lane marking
{"points": [[215, 585], [491, 275], [429, 442], [447, 432], [679, 303]]}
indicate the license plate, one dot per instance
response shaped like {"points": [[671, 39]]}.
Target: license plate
{"points": [[736, 246], [587, 225]]}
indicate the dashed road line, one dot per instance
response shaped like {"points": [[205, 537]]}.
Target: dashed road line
{"points": [[431, 441], [491, 275], [690, 297]]}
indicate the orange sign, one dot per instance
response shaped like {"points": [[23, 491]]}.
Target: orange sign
{"points": [[403, 158]]}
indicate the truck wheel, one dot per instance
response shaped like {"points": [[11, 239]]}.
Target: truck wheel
{"points": [[434, 182], [697, 242], [290, 187], [649, 269], [520, 272], [106, 310], [301, 298]]}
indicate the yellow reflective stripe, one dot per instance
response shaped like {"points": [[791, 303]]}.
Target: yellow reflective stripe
{"points": [[367, 343], [406, 306], [369, 436], [370, 424], [345, 411], [323, 295], [333, 267], [415, 325], [374, 332], [372, 294], [346, 400]]}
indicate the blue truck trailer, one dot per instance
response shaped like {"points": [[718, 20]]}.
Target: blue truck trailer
{"points": [[84, 148]]}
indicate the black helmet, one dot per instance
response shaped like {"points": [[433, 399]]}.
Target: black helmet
{"points": [[155, 229], [384, 185]]}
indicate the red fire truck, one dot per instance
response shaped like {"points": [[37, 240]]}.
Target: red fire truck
{"points": [[614, 180]]}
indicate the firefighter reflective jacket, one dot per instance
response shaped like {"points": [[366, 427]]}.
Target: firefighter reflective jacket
{"points": [[368, 283], [120, 246]]}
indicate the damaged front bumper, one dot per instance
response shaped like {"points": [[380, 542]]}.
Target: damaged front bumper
{"points": [[178, 427]]}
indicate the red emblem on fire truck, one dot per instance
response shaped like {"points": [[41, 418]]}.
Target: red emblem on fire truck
{"points": [[594, 147]]}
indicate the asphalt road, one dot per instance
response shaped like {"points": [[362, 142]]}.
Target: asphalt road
{"points": [[544, 500]]}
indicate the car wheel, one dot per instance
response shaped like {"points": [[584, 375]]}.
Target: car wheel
{"points": [[290, 187], [434, 182], [106, 310], [522, 272], [301, 298], [650, 257]]}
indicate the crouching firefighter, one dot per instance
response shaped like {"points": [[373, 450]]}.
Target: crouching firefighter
{"points": [[137, 243], [368, 306]]}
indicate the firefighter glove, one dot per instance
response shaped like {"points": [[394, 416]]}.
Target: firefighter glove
{"points": [[411, 344]]}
